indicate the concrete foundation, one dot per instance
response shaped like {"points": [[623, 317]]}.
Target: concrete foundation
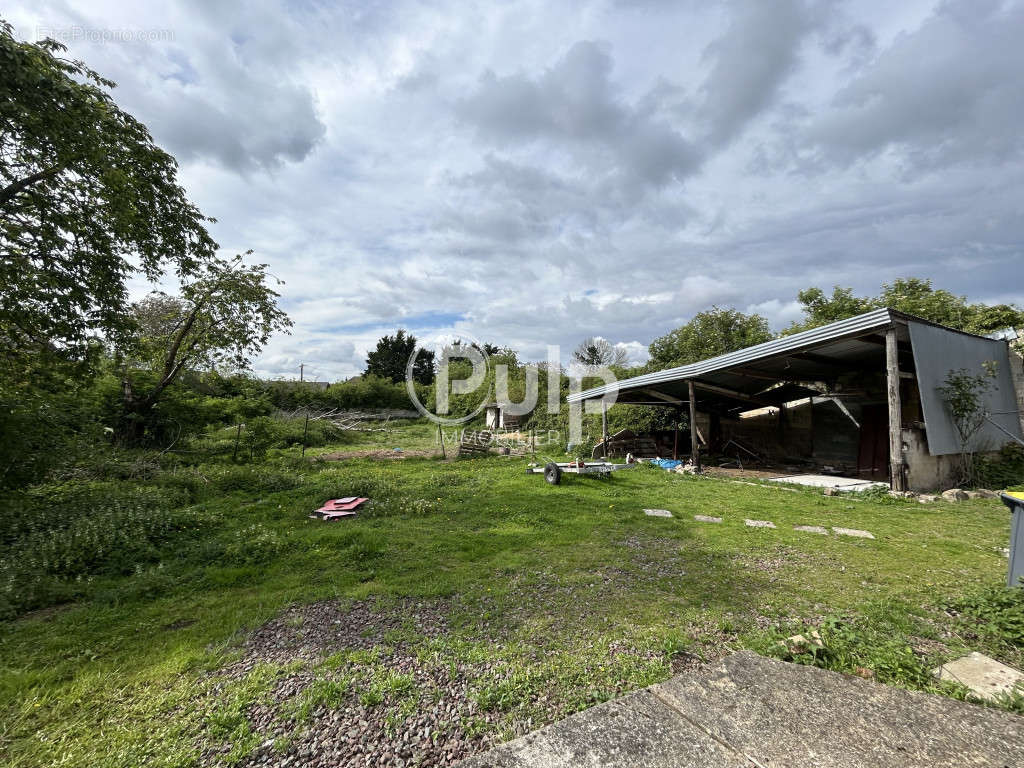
{"points": [[751, 711]]}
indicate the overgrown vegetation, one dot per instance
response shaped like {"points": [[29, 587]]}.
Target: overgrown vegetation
{"points": [[555, 597]]}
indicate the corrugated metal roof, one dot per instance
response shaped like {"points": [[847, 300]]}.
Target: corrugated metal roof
{"points": [[878, 318]]}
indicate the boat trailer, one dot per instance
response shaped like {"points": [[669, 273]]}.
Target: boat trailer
{"points": [[554, 470]]}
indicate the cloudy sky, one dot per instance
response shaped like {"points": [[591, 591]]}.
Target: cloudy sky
{"points": [[534, 173]]}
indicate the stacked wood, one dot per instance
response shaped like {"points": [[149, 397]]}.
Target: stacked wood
{"points": [[627, 441], [475, 443]]}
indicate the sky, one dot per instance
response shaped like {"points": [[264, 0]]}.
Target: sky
{"points": [[534, 173]]}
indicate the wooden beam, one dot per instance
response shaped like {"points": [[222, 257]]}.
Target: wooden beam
{"points": [[730, 393], [662, 396], [675, 437], [694, 448], [604, 426], [897, 477]]}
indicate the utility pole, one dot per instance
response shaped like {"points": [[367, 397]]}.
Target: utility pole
{"points": [[302, 371]]}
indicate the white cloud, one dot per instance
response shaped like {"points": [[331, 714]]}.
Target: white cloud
{"points": [[536, 172]]}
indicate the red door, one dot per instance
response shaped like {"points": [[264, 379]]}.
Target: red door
{"points": [[873, 455]]}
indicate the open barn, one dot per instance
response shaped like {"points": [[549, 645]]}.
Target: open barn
{"points": [[859, 398]]}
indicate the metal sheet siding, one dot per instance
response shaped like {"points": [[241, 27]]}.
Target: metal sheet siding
{"points": [[938, 351], [878, 318]]}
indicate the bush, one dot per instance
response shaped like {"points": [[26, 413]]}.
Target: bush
{"points": [[1004, 471], [993, 613], [62, 535]]}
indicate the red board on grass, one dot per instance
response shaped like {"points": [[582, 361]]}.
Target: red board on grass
{"points": [[342, 505]]}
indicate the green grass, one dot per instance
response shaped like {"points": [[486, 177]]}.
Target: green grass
{"points": [[558, 597]]}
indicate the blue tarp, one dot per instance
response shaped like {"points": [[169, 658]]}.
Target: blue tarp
{"points": [[668, 464]]}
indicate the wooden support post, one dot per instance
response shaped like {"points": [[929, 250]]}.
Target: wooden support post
{"points": [[675, 436], [604, 427], [897, 479], [305, 433], [694, 447], [811, 406], [440, 437]]}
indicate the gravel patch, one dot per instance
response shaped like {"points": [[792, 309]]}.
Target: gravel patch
{"points": [[391, 705]]}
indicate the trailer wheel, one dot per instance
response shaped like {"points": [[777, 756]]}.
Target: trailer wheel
{"points": [[553, 473]]}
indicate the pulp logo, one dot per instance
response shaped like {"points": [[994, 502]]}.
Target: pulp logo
{"points": [[466, 380]]}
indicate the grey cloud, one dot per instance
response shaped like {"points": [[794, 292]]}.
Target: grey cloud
{"points": [[749, 63], [574, 104], [946, 93], [277, 124]]}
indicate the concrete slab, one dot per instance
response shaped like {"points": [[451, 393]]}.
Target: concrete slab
{"points": [[760, 523], [985, 676], [843, 484], [657, 513], [707, 519], [811, 529], [790, 715], [637, 730], [752, 711], [853, 532]]}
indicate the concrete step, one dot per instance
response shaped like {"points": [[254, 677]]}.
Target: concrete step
{"points": [[756, 712]]}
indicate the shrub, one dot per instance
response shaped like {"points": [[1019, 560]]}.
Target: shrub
{"points": [[1005, 470], [58, 537], [993, 613]]}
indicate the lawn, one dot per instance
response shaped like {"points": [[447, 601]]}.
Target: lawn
{"points": [[471, 602]]}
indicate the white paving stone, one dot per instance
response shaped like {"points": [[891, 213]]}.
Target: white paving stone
{"points": [[853, 532], [811, 529], [985, 676], [707, 519], [657, 513], [760, 523]]}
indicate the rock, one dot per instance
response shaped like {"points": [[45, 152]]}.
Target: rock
{"points": [[803, 644], [982, 493], [927, 498], [955, 494], [830, 492]]}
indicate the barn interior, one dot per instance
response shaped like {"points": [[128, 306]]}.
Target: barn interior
{"points": [[844, 399]]}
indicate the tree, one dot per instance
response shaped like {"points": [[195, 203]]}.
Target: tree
{"points": [[595, 352], [86, 200], [913, 296], [820, 309], [223, 317], [391, 358], [963, 392], [708, 334]]}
